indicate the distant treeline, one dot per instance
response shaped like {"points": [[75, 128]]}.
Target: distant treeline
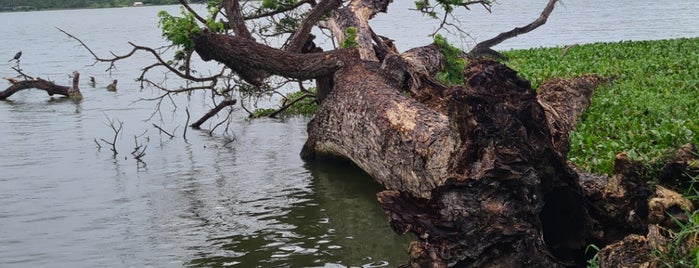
{"points": [[22, 5]]}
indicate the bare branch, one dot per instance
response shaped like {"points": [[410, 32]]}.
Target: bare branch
{"points": [[275, 113], [184, 134], [484, 47], [160, 62], [212, 112], [191, 11], [140, 149], [117, 130], [163, 131]]}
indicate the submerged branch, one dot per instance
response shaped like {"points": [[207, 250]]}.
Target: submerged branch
{"points": [[212, 112]]}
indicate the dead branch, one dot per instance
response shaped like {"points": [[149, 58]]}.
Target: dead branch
{"points": [[292, 102], [50, 87], [485, 46], [212, 112], [139, 149], [184, 134], [160, 62], [117, 130], [163, 131]]}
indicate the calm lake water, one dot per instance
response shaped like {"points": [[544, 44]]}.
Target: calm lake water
{"points": [[238, 197]]}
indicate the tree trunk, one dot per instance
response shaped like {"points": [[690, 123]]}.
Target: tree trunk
{"points": [[471, 177]]}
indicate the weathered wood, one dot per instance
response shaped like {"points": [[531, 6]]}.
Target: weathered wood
{"points": [[631, 218], [45, 85], [564, 101], [483, 167]]}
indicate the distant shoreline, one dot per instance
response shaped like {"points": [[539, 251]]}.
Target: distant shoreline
{"points": [[36, 5], [31, 9]]}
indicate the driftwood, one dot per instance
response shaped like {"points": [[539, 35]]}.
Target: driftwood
{"points": [[50, 87]]}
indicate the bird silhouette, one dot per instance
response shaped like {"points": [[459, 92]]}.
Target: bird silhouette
{"points": [[112, 86], [16, 57], [92, 81]]}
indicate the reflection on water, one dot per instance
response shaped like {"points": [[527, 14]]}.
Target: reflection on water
{"points": [[334, 220], [241, 197]]}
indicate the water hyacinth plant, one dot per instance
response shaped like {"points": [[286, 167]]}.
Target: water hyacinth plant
{"points": [[650, 108]]}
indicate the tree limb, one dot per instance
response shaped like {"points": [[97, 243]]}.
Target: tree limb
{"points": [[212, 112], [235, 19], [357, 14], [484, 47], [234, 51], [298, 39]]}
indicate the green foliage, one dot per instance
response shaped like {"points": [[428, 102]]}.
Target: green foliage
{"points": [[649, 110], [592, 263], [454, 63], [178, 30], [350, 38], [262, 112]]}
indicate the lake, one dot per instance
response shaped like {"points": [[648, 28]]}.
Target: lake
{"points": [[239, 196]]}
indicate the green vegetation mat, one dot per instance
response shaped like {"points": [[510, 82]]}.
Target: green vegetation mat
{"points": [[650, 109]]}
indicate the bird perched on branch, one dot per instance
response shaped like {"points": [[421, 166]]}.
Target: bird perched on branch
{"points": [[16, 57], [112, 86]]}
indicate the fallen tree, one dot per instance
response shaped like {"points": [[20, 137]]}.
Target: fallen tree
{"points": [[477, 171]]}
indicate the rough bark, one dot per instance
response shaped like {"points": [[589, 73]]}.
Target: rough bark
{"points": [[471, 180], [357, 14], [234, 52], [45, 85], [302, 34]]}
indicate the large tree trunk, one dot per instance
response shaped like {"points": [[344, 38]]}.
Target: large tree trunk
{"points": [[471, 176]]}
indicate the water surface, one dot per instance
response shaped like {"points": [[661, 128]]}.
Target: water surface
{"points": [[237, 197]]}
